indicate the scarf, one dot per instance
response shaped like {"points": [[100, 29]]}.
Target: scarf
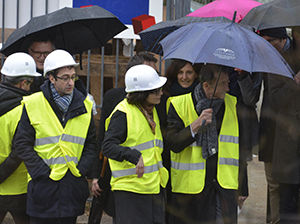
{"points": [[63, 102], [149, 118], [176, 89], [208, 138]]}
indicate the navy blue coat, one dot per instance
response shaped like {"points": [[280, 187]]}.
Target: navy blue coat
{"points": [[64, 198]]}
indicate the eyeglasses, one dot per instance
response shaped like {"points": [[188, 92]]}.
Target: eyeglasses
{"points": [[156, 91], [29, 81], [67, 78], [39, 54]]}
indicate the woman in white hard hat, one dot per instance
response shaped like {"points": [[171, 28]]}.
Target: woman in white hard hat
{"points": [[133, 144], [19, 69]]}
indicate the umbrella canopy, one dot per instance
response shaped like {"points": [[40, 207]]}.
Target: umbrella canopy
{"points": [[277, 13], [225, 44], [73, 29], [226, 8], [154, 34]]}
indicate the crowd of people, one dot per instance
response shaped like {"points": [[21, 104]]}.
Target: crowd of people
{"points": [[177, 146]]}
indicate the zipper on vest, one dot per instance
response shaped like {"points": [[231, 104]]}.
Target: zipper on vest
{"points": [[63, 118]]}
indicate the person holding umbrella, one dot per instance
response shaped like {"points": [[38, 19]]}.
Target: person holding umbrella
{"points": [[204, 174], [40, 47], [56, 139], [19, 69], [282, 43], [284, 96], [133, 143]]}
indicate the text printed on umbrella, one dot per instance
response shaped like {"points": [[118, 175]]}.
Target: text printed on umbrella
{"points": [[224, 53]]}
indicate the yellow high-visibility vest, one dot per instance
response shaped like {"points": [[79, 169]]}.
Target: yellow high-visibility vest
{"points": [[188, 167], [59, 147], [16, 183], [139, 137]]}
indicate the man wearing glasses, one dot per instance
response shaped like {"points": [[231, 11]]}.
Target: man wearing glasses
{"points": [[56, 139], [39, 48]]}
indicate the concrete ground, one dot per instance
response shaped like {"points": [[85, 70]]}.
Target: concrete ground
{"points": [[253, 211]]}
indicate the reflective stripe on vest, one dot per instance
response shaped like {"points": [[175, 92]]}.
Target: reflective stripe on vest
{"points": [[141, 138], [188, 166], [230, 139], [16, 183], [60, 160], [59, 147], [55, 139], [148, 169]]}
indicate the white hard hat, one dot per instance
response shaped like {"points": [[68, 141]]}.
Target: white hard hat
{"points": [[58, 59], [19, 64], [142, 78]]}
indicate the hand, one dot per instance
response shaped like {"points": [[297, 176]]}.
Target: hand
{"points": [[140, 168], [95, 188], [241, 200], [297, 78], [239, 71], [205, 115]]}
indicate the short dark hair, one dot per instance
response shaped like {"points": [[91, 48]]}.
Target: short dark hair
{"points": [[173, 70], [17, 80], [41, 38], [55, 71], [208, 71], [137, 98], [140, 58]]}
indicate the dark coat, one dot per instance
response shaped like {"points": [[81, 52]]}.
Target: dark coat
{"points": [[268, 114], [267, 125], [246, 88], [66, 197], [285, 97], [179, 137], [110, 101], [10, 97]]}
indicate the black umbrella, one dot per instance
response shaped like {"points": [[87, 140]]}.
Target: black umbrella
{"points": [[73, 29], [277, 13], [154, 34]]}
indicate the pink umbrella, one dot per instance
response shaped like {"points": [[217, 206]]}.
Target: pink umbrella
{"points": [[226, 8]]}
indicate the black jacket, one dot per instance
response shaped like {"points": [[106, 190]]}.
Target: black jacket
{"points": [[66, 197], [178, 138], [10, 97], [285, 98]]}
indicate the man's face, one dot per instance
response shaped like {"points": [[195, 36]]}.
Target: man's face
{"points": [[278, 43], [64, 87], [39, 51], [222, 87]]}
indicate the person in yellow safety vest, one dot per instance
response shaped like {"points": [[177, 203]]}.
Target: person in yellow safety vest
{"points": [[133, 143], [204, 159], [56, 139], [18, 71]]}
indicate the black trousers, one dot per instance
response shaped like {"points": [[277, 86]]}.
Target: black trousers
{"points": [[19, 217], [64, 220], [133, 208], [288, 205]]}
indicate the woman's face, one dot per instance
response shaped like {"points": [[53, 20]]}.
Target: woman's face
{"points": [[186, 76], [154, 96]]}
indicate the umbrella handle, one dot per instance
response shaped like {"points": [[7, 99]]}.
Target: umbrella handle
{"points": [[104, 158], [202, 125]]}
